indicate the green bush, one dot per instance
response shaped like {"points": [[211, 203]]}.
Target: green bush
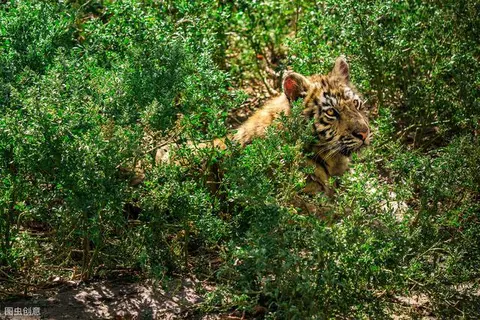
{"points": [[80, 108]]}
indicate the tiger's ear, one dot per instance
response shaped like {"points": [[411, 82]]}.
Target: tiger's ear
{"points": [[295, 86], [341, 69]]}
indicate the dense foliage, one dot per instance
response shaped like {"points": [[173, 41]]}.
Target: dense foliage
{"points": [[88, 88]]}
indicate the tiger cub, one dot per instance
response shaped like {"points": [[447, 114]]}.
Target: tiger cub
{"points": [[340, 125]]}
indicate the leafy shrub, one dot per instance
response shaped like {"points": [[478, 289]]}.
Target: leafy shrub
{"points": [[73, 119]]}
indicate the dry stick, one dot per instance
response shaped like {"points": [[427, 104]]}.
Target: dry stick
{"points": [[159, 146], [297, 15], [270, 90], [85, 251], [11, 279], [92, 260], [236, 119]]}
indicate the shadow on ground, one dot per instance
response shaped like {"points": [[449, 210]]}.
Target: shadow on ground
{"points": [[109, 300]]}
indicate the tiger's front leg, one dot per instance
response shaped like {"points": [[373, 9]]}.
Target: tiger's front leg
{"points": [[318, 181]]}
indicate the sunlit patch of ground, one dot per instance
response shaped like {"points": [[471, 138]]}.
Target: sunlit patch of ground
{"points": [[111, 300]]}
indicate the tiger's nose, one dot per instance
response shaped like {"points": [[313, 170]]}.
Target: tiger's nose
{"points": [[361, 134]]}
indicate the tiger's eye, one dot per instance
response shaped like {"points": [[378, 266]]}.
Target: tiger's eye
{"points": [[330, 112]]}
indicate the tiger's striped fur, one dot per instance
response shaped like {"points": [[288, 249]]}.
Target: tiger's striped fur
{"points": [[340, 125]]}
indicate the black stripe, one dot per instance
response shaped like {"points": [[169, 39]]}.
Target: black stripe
{"points": [[322, 121], [321, 163], [308, 112], [329, 101], [323, 132]]}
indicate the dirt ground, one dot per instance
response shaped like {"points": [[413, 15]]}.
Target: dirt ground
{"points": [[108, 300]]}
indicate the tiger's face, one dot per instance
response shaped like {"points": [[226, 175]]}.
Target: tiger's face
{"points": [[340, 125], [339, 119]]}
